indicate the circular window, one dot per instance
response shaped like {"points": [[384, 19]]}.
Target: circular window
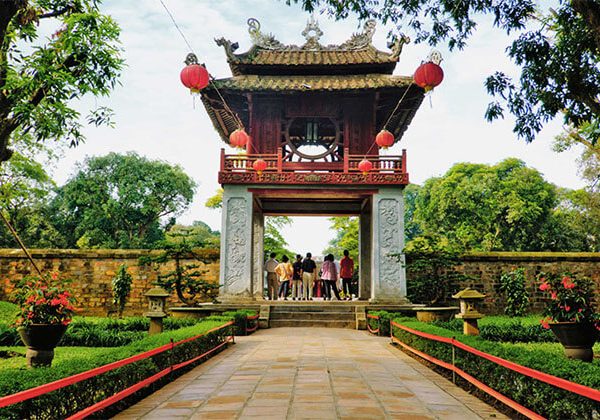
{"points": [[312, 137]]}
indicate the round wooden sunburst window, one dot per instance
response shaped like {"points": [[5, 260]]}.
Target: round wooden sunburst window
{"points": [[312, 138]]}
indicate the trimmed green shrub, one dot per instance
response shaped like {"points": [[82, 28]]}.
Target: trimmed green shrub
{"points": [[384, 321], [539, 397], [66, 401], [512, 287], [239, 317], [100, 332], [121, 285], [519, 330]]}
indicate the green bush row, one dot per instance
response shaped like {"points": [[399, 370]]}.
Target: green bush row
{"points": [[71, 399], [511, 331], [100, 332], [539, 397]]}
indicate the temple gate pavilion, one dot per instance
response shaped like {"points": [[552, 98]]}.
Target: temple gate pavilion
{"points": [[312, 113]]}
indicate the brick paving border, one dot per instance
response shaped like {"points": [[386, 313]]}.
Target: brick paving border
{"points": [[311, 373]]}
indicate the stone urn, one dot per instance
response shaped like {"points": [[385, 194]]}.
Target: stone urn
{"points": [[41, 339], [577, 338]]}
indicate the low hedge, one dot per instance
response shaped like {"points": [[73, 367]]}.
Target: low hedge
{"points": [[100, 332], [383, 323], [240, 318], [73, 398], [539, 397], [517, 330]]}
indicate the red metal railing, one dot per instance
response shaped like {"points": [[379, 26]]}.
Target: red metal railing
{"points": [[561, 383], [61, 383], [242, 163]]}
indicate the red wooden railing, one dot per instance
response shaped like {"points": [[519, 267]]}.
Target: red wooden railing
{"points": [[561, 383], [381, 164]]}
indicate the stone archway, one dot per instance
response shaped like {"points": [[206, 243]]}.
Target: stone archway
{"points": [[380, 211]]}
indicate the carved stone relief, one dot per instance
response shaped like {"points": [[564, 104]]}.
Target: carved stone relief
{"points": [[389, 243], [238, 221]]}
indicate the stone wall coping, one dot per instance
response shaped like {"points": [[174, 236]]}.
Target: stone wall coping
{"points": [[214, 253], [95, 253], [531, 256]]}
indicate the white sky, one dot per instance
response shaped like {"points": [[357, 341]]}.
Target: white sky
{"points": [[155, 114]]}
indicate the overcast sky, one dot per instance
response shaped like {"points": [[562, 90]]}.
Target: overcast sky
{"points": [[156, 117]]}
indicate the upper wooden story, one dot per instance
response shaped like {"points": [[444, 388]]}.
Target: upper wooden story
{"points": [[312, 109]]}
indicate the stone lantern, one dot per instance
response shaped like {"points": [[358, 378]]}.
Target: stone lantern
{"points": [[469, 299], [157, 300]]}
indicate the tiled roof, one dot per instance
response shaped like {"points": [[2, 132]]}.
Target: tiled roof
{"points": [[368, 55], [269, 56], [311, 83]]}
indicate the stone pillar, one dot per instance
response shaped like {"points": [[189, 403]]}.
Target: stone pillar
{"points": [[258, 254], [235, 275], [388, 267], [365, 242]]}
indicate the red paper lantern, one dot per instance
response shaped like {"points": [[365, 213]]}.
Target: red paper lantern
{"points": [[384, 139], [259, 166], [428, 75], [239, 138], [194, 77], [365, 166]]}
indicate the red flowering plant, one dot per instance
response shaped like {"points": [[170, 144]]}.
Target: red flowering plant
{"points": [[571, 299], [43, 300]]}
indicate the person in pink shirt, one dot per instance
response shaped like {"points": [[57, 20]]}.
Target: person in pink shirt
{"points": [[329, 276], [346, 273]]}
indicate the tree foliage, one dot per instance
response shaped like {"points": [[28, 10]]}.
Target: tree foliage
{"points": [[480, 207], [346, 237], [25, 186], [273, 238], [556, 49], [41, 76], [118, 201], [199, 235]]}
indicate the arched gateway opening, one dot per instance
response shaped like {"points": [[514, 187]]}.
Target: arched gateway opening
{"points": [[312, 113]]}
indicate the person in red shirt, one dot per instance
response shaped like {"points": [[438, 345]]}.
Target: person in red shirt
{"points": [[346, 273]]}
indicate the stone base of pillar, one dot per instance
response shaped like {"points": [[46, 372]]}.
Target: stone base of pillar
{"points": [[391, 301], [236, 299]]}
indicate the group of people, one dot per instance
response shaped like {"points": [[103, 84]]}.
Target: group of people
{"points": [[300, 277]]}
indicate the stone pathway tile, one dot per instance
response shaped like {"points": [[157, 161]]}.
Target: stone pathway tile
{"points": [[311, 373]]}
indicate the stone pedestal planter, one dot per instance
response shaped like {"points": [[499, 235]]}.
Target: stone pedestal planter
{"points": [[577, 338], [431, 314], [41, 339]]}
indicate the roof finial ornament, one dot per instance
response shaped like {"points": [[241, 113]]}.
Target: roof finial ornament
{"points": [[259, 39], [312, 33], [435, 57]]}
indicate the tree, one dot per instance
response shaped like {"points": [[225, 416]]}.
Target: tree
{"points": [[557, 50], [25, 185], [185, 278], [199, 235], [346, 237], [40, 78], [118, 201], [273, 239], [479, 207]]}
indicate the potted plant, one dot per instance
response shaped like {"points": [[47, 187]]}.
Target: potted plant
{"points": [[570, 313], [45, 311]]}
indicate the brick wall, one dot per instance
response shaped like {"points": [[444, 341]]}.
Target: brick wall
{"points": [[93, 271], [485, 270]]}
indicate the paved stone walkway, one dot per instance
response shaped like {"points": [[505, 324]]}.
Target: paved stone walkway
{"points": [[311, 373]]}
